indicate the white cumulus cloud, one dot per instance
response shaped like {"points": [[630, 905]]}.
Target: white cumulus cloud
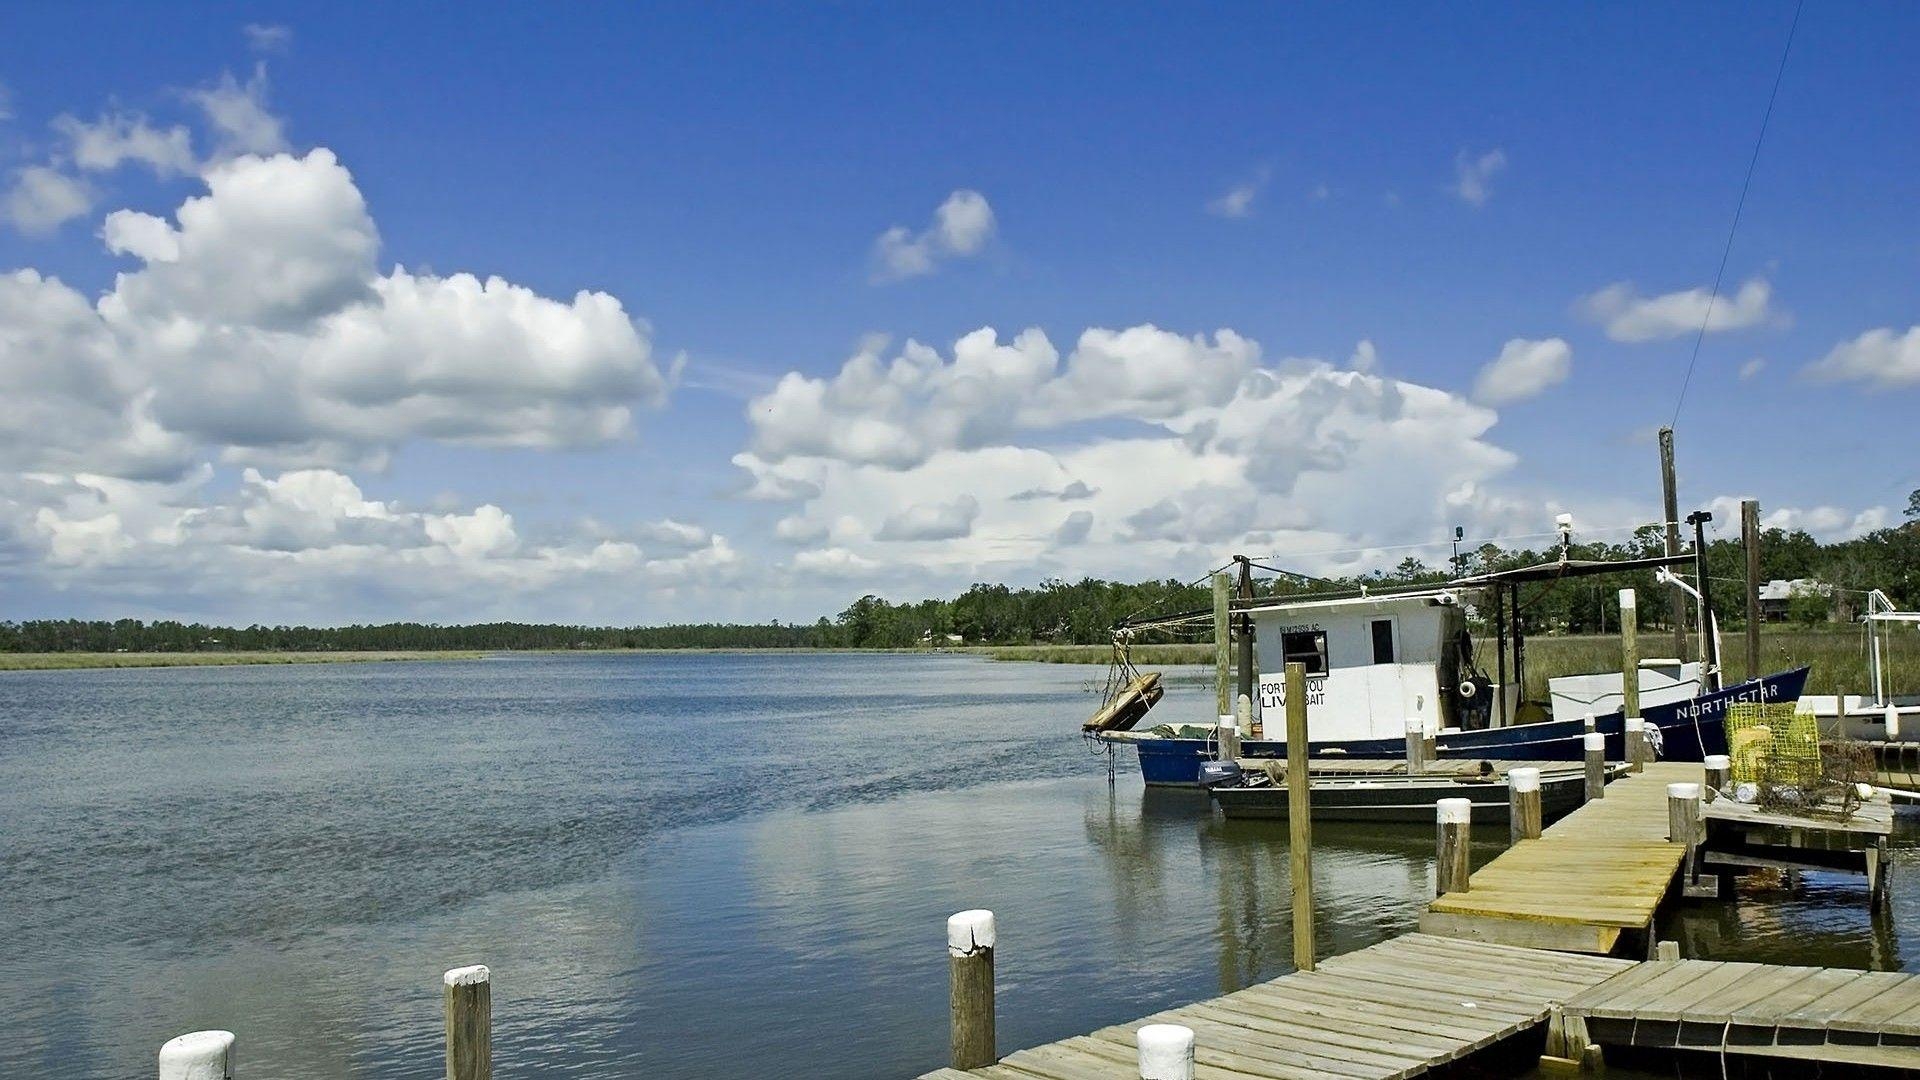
{"points": [[1628, 316], [1524, 369], [1885, 358], [1473, 175], [42, 198], [961, 226]]}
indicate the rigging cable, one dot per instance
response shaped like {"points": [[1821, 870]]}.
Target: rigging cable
{"points": [[1739, 206]]}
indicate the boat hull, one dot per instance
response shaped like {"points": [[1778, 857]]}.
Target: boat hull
{"points": [[1689, 730], [1398, 799]]}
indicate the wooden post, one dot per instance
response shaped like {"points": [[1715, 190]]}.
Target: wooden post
{"points": [[1638, 750], [1416, 746], [970, 987], [1667, 950], [1523, 804], [1629, 654], [1671, 501], [469, 993], [1683, 825], [1222, 650], [1248, 676], [1453, 835], [198, 1055], [1166, 1052], [1719, 769], [1229, 732], [1596, 747], [1750, 539], [1300, 815]]}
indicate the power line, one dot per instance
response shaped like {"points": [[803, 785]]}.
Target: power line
{"points": [[1739, 206]]}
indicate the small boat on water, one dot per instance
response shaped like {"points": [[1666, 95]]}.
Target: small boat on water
{"points": [[1379, 661], [1262, 794]]}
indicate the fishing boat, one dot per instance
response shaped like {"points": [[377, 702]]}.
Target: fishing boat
{"points": [[1883, 714], [1262, 794], [1379, 661]]}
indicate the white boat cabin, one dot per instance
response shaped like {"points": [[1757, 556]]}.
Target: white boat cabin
{"points": [[1372, 662]]}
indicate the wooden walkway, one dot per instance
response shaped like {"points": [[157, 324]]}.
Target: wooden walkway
{"points": [[1834, 1015], [1396, 1009], [1592, 877]]}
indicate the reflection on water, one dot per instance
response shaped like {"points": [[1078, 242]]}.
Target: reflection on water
{"points": [[676, 866]]}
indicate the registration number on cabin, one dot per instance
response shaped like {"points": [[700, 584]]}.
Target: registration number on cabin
{"points": [[1273, 691]]}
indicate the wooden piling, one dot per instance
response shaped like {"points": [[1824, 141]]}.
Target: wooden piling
{"points": [[1300, 815], [469, 994], [1416, 746], [1683, 827], [1523, 804], [1629, 654], [1231, 728], [1750, 539], [1166, 1052], [1639, 751], [1222, 649], [970, 936], [1453, 836], [1666, 950], [1670, 500], [1719, 769], [198, 1055], [1596, 748]]}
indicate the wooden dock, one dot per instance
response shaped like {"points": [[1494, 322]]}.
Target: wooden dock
{"points": [[1835, 1015], [1596, 875], [1396, 1009]]}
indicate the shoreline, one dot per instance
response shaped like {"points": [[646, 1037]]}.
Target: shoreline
{"points": [[83, 661]]}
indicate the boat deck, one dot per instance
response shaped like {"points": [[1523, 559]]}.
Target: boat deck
{"points": [[1592, 877], [1365, 1014]]}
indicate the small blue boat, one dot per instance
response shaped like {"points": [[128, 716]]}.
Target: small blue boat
{"points": [[1689, 730]]}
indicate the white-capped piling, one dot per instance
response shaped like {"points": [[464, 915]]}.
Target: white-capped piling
{"points": [[1453, 833], [1523, 804], [198, 1055], [469, 994], [1639, 751], [1719, 770], [1596, 748], [1629, 655], [1416, 746], [1229, 738], [970, 937], [1683, 825], [1166, 1052]]}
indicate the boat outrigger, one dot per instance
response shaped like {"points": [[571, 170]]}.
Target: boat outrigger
{"points": [[1380, 660]]}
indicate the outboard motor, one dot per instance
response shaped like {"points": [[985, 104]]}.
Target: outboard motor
{"points": [[1219, 774]]}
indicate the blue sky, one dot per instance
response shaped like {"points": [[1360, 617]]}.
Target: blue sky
{"points": [[1441, 184]]}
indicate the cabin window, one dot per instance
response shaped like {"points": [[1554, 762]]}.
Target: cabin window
{"points": [[1383, 641], [1308, 647]]}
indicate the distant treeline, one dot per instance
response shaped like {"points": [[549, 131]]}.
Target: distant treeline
{"points": [[1080, 612]]}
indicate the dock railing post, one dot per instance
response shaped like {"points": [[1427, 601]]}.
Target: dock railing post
{"points": [[469, 994], [1596, 747], [1416, 746], [1683, 822], [1638, 750], [198, 1055], [1300, 815], [1523, 804], [1719, 769], [970, 936], [1453, 835], [1166, 1052]]}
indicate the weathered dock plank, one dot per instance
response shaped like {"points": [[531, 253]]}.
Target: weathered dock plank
{"points": [[1594, 876], [1395, 1010], [1834, 1015]]}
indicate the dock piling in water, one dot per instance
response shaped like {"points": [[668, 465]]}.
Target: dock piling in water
{"points": [[1523, 804], [1639, 752], [1453, 835], [469, 994], [1719, 768], [1300, 815], [1630, 660], [1166, 1052], [198, 1055], [1416, 746], [1596, 747], [970, 938]]}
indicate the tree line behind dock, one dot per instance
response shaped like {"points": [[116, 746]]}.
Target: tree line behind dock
{"points": [[1080, 612]]}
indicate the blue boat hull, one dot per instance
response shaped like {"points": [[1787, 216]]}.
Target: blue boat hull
{"points": [[1689, 730]]}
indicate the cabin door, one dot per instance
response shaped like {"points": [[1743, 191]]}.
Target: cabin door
{"points": [[1387, 704]]}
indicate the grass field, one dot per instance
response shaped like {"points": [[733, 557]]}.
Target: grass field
{"points": [[70, 660], [1837, 655]]}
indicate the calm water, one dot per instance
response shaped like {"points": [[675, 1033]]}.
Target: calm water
{"points": [[699, 865]]}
